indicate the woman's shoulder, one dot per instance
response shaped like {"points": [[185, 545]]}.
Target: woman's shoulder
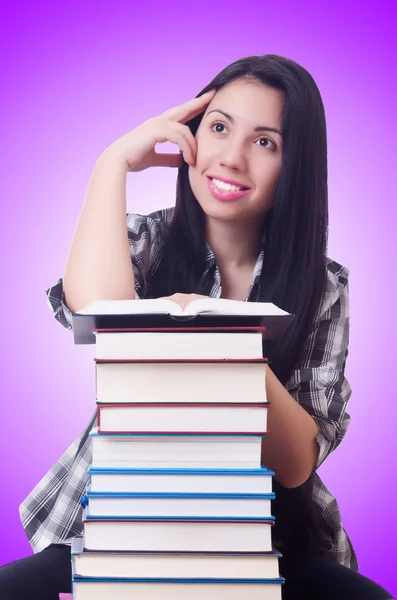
{"points": [[336, 272], [336, 292]]}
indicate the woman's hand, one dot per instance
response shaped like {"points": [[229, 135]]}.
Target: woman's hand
{"points": [[183, 299], [136, 148]]}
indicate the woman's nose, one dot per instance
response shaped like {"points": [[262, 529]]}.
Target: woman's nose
{"points": [[233, 157]]}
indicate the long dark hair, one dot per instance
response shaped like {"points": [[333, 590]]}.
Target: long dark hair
{"points": [[296, 227]]}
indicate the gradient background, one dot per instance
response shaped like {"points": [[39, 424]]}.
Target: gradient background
{"points": [[76, 77]]}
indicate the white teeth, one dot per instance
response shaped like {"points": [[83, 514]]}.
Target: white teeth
{"points": [[226, 186]]}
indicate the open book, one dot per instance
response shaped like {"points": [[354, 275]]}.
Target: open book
{"points": [[195, 307], [165, 313]]}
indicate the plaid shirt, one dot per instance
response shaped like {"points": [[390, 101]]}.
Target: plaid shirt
{"points": [[52, 512]]}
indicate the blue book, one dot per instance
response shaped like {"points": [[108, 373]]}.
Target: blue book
{"points": [[176, 589], [210, 481], [161, 565], [164, 505]]}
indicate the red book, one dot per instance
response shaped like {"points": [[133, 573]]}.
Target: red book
{"points": [[185, 418], [194, 343], [120, 381]]}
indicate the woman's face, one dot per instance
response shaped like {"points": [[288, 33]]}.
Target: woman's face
{"points": [[230, 146]]}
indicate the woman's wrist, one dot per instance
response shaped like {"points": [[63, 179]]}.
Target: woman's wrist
{"points": [[111, 160]]}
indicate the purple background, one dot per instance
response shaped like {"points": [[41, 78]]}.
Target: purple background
{"points": [[76, 77]]}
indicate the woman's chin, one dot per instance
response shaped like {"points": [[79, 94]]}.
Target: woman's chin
{"points": [[221, 211]]}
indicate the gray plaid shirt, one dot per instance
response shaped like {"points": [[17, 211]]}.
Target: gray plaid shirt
{"points": [[52, 512]]}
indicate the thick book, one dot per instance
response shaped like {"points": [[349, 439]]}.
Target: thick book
{"points": [[227, 451], [191, 418], [261, 565], [236, 381], [183, 343], [176, 589], [235, 506], [182, 481], [178, 535], [203, 312]]}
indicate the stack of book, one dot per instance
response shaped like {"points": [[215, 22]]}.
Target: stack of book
{"points": [[178, 505]]}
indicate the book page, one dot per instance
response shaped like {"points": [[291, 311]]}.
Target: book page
{"points": [[130, 307], [237, 307]]}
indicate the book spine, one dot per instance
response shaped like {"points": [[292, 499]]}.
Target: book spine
{"points": [[273, 581], [240, 520], [234, 405], [220, 329], [180, 495], [263, 471], [180, 360]]}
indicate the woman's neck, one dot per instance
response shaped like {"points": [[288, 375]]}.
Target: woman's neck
{"points": [[234, 245]]}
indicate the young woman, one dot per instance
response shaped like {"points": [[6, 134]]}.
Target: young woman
{"points": [[258, 127]]}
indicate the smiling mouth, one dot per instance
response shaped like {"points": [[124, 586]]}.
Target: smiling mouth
{"points": [[226, 192], [227, 187]]}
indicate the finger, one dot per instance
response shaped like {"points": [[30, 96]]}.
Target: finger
{"points": [[175, 298], [187, 111], [172, 131], [180, 137], [184, 131], [192, 109], [169, 298]]}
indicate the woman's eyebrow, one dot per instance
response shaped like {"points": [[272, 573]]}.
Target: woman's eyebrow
{"points": [[258, 128]]}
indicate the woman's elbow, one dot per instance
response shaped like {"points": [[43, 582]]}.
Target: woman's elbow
{"points": [[299, 471]]}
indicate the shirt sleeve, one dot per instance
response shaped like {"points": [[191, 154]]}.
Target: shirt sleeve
{"points": [[145, 238], [319, 383]]}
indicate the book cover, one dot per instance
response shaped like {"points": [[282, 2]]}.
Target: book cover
{"points": [[84, 325]]}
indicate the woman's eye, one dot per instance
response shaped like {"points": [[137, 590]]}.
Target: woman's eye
{"points": [[268, 142], [265, 139], [217, 125]]}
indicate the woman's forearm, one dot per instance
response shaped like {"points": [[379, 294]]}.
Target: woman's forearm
{"points": [[290, 449], [99, 262]]}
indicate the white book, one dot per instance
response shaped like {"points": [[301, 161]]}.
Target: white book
{"points": [[203, 312], [182, 481], [186, 418], [116, 590], [180, 382], [200, 305], [175, 451], [176, 506], [177, 344], [177, 535], [170, 565]]}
